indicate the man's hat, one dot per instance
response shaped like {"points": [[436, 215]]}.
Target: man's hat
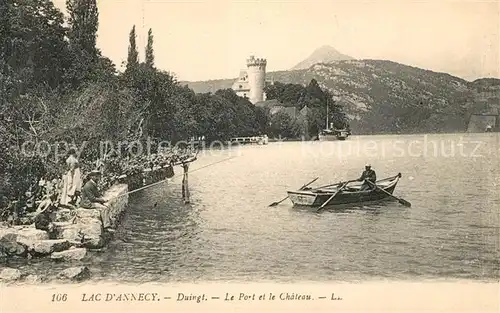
{"points": [[368, 165]]}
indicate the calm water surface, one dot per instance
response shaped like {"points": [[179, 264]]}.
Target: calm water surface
{"points": [[228, 232]]}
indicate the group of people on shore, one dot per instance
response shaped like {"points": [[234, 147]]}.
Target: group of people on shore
{"points": [[72, 191]]}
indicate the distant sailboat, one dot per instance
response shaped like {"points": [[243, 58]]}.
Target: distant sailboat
{"points": [[330, 133]]}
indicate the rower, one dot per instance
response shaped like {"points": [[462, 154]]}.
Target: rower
{"points": [[368, 174]]}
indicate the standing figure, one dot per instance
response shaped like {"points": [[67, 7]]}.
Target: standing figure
{"points": [[185, 189], [72, 180]]}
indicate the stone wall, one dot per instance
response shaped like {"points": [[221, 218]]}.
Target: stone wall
{"points": [[75, 232], [87, 228]]}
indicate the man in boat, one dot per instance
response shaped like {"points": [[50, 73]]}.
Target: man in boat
{"points": [[368, 174], [91, 198]]}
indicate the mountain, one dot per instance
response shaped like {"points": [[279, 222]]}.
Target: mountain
{"points": [[324, 54], [387, 97]]}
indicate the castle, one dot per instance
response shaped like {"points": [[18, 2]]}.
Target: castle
{"points": [[252, 81]]}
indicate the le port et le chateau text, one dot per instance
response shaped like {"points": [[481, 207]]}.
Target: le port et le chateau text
{"points": [[199, 298]]}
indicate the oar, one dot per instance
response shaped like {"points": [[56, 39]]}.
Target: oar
{"points": [[304, 186], [333, 196], [400, 200], [330, 185]]}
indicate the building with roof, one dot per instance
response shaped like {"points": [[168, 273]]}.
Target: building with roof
{"points": [[252, 81]]}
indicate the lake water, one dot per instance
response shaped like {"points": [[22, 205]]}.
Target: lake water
{"points": [[229, 233]]}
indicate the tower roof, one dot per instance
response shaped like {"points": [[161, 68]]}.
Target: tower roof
{"points": [[253, 61]]}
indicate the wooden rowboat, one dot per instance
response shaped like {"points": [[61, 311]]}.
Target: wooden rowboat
{"points": [[349, 195]]}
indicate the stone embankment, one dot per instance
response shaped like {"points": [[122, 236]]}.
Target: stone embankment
{"points": [[75, 233]]}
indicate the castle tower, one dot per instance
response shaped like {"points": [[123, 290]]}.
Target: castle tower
{"points": [[256, 78]]}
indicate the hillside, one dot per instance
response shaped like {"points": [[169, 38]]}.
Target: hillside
{"points": [[387, 97], [486, 96], [324, 54]]}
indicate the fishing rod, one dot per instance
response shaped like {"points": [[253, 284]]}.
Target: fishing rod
{"points": [[165, 180]]}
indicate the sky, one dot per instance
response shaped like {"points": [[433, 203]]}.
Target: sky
{"points": [[201, 40]]}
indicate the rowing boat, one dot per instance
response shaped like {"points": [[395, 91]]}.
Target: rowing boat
{"points": [[351, 194]]}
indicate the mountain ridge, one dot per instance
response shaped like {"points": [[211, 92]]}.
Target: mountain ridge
{"points": [[381, 96], [323, 54]]}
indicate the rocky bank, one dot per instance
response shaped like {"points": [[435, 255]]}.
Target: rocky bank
{"points": [[75, 233]]}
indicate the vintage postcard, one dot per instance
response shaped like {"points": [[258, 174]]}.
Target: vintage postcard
{"points": [[249, 156]]}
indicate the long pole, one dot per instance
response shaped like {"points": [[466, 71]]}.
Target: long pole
{"points": [[165, 180], [327, 125]]}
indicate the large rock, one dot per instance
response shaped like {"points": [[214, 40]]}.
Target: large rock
{"points": [[32, 234], [10, 274], [91, 232], [87, 231], [6, 232], [87, 227], [46, 247], [33, 279], [19, 240], [70, 232], [75, 273], [82, 213], [9, 245], [69, 255]]}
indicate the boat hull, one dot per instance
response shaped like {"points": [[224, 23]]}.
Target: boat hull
{"points": [[331, 137], [316, 198]]}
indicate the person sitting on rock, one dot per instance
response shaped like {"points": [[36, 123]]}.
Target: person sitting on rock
{"points": [[91, 198]]}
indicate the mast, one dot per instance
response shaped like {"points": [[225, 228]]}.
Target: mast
{"points": [[327, 126]]}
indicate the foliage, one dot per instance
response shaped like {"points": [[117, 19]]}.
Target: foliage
{"points": [[35, 48], [150, 58], [57, 87], [83, 24], [315, 99], [284, 126], [133, 55], [285, 93]]}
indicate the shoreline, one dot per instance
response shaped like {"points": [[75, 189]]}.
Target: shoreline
{"points": [[77, 232], [75, 236]]}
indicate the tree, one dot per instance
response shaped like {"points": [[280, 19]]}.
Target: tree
{"points": [[83, 23], [6, 8], [288, 94], [283, 125], [274, 90], [6, 12], [314, 91], [133, 55], [185, 124], [262, 116], [34, 45], [156, 90], [150, 58]]}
